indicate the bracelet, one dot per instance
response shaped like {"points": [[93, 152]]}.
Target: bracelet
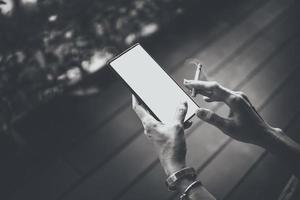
{"points": [[187, 172], [185, 194]]}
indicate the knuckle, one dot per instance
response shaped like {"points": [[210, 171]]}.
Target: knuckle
{"points": [[212, 118], [236, 99], [181, 108], [229, 126], [278, 130], [242, 94], [178, 126], [154, 126], [215, 85], [149, 126], [146, 132]]}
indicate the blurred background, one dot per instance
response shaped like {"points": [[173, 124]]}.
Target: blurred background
{"points": [[66, 127]]}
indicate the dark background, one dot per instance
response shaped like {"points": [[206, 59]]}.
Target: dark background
{"points": [[67, 129]]}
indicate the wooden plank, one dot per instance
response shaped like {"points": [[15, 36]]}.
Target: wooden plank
{"points": [[196, 145], [49, 183], [78, 154], [269, 176], [170, 46], [112, 102], [238, 35], [128, 173], [237, 158], [193, 36], [82, 108]]}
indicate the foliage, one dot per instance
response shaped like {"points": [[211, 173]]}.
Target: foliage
{"points": [[48, 45]]}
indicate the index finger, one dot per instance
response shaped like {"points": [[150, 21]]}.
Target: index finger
{"points": [[141, 112], [211, 89], [204, 86]]}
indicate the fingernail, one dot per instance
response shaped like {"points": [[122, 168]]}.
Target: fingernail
{"points": [[205, 98], [183, 103], [185, 81], [201, 113]]}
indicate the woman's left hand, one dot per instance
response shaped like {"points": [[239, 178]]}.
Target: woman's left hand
{"points": [[168, 139]]}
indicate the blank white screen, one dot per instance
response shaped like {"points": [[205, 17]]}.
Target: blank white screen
{"points": [[152, 84]]}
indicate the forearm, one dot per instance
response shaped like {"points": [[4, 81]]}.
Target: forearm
{"points": [[278, 143], [202, 194]]}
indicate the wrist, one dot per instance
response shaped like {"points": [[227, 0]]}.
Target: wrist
{"points": [[272, 137], [286, 148], [278, 142], [172, 167], [181, 179], [183, 184]]}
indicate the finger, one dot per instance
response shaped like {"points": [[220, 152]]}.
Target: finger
{"points": [[231, 114], [180, 113], [198, 85], [243, 95], [141, 112], [210, 89], [207, 99], [136, 106], [240, 102], [213, 119], [187, 124], [216, 92]]}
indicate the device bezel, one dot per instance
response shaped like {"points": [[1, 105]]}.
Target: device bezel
{"points": [[139, 98]]}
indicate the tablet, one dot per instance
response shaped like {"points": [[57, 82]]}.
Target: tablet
{"points": [[157, 90]]}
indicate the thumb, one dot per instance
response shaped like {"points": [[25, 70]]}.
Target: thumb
{"points": [[212, 118], [180, 113]]}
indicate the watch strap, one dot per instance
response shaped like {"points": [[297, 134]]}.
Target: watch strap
{"points": [[186, 193], [187, 172]]}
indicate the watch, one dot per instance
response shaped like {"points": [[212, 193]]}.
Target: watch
{"points": [[173, 179]]}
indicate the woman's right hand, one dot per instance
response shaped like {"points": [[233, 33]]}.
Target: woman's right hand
{"points": [[243, 123]]}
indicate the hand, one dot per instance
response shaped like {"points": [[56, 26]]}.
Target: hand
{"points": [[243, 123], [168, 139]]}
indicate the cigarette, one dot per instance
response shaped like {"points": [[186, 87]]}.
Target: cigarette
{"points": [[197, 77]]}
